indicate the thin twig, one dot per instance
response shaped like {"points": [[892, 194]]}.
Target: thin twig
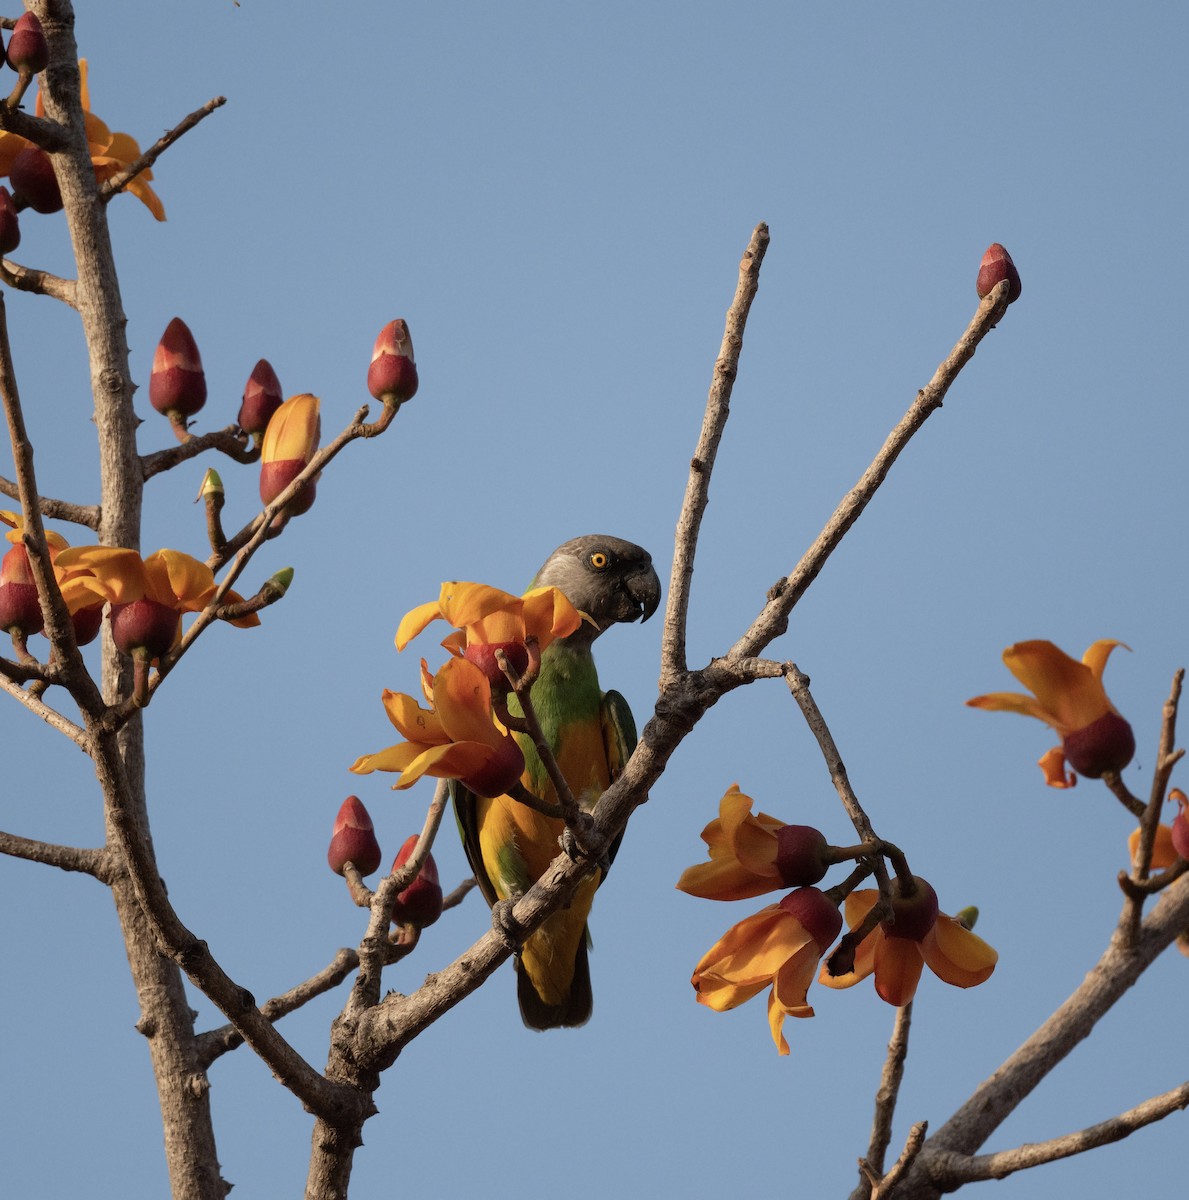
{"points": [[214, 1043], [697, 488], [230, 441], [365, 992], [773, 619], [885, 1101], [56, 510], [119, 181], [956, 1169], [1166, 757], [883, 1188], [94, 862], [40, 283]]}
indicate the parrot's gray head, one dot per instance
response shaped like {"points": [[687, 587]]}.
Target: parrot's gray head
{"points": [[606, 578]]}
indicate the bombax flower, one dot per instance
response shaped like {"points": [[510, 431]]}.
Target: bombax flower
{"points": [[751, 854], [1171, 841], [392, 373], [778, 947], [111, 153], [488, 620], [147, 596], [290, 441], [20, 608], [458, 738], [1067, 695], [897, 951]]}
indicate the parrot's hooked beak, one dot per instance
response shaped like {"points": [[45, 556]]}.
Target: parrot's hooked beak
{"points": [[644, 588]]}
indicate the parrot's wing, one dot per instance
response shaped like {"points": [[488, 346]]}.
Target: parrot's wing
{"points": [[619, 738], [466, 813]]}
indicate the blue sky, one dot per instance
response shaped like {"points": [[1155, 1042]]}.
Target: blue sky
{"points": [[556, 198]]}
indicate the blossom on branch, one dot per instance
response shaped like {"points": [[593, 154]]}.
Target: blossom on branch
{"points": [[778, 947], [1069, 696], [111, 153], [896, 951], [753, 854], [147, 596], [459, 737], [290, 442], [489, 620]]}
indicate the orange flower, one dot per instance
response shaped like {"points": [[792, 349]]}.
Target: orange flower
{"points": [[488, 619], [778, 947], [1069, 696], [289, 443], [148, 596], [458, 738], [110, 152], [753, 854], [1172, 841], [897, 951]]}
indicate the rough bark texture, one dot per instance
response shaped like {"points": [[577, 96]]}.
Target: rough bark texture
{"points": [[165, 1014]]}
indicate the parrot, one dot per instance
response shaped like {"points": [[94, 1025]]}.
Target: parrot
{"points": [[591, 734]]}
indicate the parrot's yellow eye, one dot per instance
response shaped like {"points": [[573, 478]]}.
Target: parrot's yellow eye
{"points": [[599, 560]]}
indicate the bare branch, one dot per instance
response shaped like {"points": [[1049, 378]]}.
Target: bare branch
{"points": [[40, 283], [214, 1043], [57, 510], [118, 182], [773, 619], [230, 441], [957, 1169], [885, 1104], [697, 488], [96, 862], [999, 1095], [882, 1189]]}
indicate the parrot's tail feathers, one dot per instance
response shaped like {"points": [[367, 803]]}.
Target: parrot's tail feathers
{"points": [[574, 1010]]}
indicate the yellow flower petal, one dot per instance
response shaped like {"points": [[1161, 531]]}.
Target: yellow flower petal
{"points": [[462, 700], [957, 955], [898, 965], [1066, 688], [119, 574], [413, 622], [178, 581], [413, 722], [549, 615], [1052, 763]]}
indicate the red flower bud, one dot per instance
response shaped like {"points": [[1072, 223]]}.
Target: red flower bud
{"points": [[87, 622], [420, 903], [392, 375], [262, 398], [33, 180], [482, 654], [28, 50], [10, 226], [353, 839], [20, 611], [818, 914], [1107, 744], [1180, 826], [499, 773], [915, 913], [801, 854], [144, 625], [177, 384], [995, 268]]}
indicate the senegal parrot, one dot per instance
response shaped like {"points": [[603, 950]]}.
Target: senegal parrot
{"points": [[591, 733]]}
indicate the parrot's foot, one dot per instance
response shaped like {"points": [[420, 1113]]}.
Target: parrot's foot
{"points": [[573, 836], [507, 928]]}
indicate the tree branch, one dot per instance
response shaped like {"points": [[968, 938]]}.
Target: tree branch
{"points": [[118, 182], [697, 488], [96, 863], [773, 619], [956, 1169], [40, 283]]}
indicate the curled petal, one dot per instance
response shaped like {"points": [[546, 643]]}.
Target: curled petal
{"points": [[413, 622], [1017, 702], [119, 575], [1052, 763], [1096, 656], [956, 955], [548, 615], [752, 840], [413, 722], [1164, 853], [463, 604], [178, 581]]}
